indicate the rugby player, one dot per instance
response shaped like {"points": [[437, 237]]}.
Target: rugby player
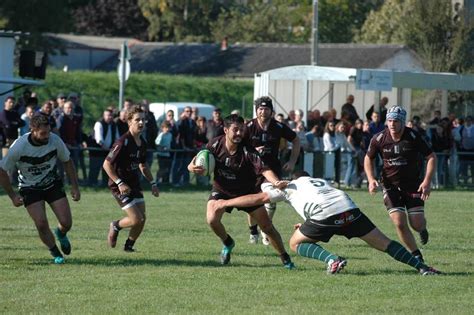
{"points": [[328, 211], [35, 154], [264, 133], [404, 188], [235, 174], [126, 158]]}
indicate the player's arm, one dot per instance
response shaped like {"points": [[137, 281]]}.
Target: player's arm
{"points": [[425, 186], [7, 186], [369, 171], [72, 175], [295, 152], [145, 170], [109, 169], [274, 180], [242, 201]]}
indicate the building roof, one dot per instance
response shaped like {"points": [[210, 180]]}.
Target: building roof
{"points": [[239, 60]]}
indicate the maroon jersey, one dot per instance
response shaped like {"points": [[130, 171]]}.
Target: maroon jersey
{"points": [[402, 160], [125, 155], [235, 175], [270, 139]]}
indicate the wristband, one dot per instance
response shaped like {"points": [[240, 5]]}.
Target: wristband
{"points": [[118, 181], [153, 183]]}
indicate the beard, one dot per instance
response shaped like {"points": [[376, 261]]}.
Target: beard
{"points": [[41, 141]]}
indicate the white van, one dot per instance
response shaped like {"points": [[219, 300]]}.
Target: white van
{"points": [[160, 109]]}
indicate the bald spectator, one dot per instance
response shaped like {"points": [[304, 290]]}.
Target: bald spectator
{"points": [[348, 110], [121, 122]]}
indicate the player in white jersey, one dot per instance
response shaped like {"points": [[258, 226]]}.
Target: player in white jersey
{"points": [[327, 211], [35, 155]]}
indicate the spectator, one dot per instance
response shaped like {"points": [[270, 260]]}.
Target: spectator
{"points": [[47, 110], [127, 104], [60, 100], [121, 122], [69, 129], [105, 134], [356, 141], [441, 141], [466, 158], [382, 110], [10, 121], [314, 140], [436, 119], [78, 111], [215, 127], [150, 133], [200, 141], [376, 125], [348, 110], [316, 119], [186, 129], [298, 118], [333, 116], [195, 113], [347, 163], [20, 106], [329, 137], [26, 116], [163, 154]]}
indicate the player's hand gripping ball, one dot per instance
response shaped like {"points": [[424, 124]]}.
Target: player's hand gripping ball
{"points": [[206, 160]]}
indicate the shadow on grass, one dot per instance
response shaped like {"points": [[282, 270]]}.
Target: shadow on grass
{"points": [[407, 272]]}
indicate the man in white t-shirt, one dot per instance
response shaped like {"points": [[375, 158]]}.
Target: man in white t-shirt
{"points": [[35, 155], [327, 211]]}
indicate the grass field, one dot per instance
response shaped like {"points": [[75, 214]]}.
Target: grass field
{"points": [[176, 268]]}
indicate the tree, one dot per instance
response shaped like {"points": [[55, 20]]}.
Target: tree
{"points": [[428, 27], [111, 18]]}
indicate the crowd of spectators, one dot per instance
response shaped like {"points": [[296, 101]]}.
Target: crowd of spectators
{"points": [[174, 140]]}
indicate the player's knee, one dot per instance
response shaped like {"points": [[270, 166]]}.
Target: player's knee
{"points": [[66, 226], [293, 245], [418, 225]]}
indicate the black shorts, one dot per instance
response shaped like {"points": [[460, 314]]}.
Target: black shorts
{"points": [[129, 200], [216, 195], [49, 194], [397, 199], [352, 223]]}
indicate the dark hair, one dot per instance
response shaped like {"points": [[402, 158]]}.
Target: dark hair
{"points": [[300, 173], [135, 109], [38, 121], [232, 119], [10, 98], [166, 124]]}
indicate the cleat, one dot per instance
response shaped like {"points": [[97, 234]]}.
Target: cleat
{"points": [[424, 237], [334, 266], [253, 239], [289, 265], [128, 249], [59, 260], [225, 253], [63, 241], [430, 271], [113, 235]]}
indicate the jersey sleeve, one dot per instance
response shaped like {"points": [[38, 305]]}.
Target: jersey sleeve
{"points": [[275, 194], [63, 151], [287, 133], [114, 151], [373, 147]]}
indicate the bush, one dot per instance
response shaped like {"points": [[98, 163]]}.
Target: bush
{"points": [[101, 89]]}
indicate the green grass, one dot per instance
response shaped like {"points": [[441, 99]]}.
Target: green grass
{"points": [[176, 268]]}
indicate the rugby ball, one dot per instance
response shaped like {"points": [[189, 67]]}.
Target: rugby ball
{"points": [[205, 159]]}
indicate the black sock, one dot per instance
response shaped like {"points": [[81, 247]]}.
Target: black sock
{"points": [[116, 225], [60, 233], [253, 229], [417, 253], [55, 252], [285, 258], [129, 243], [228, 241]]}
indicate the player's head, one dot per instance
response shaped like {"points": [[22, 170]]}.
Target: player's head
{"points": [[263, 107], [396, 117], [135, 119], [40, 128], [300, 173], [234, 128]]}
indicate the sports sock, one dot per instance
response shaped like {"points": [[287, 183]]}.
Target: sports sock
{"points": [[253, 229], [116, 225], [417, 253], [228, 241], [314, 251], [55, 252], [285, 258], [398, 252], [129, 243], [60, 233]]}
